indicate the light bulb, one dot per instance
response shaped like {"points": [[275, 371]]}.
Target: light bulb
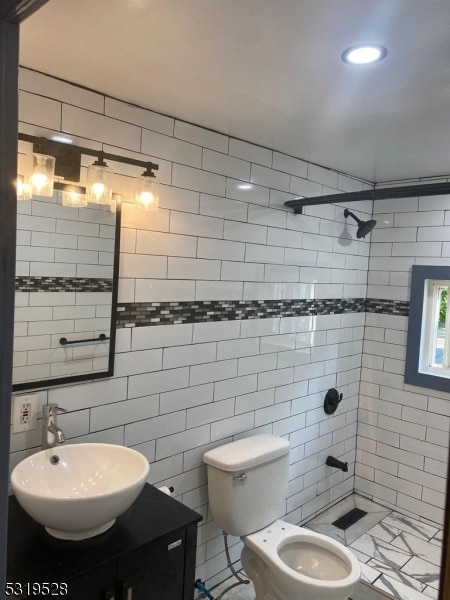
{"points": [[43, 172], [147, 193], [38, 181], [99, 189], [147, 198]]}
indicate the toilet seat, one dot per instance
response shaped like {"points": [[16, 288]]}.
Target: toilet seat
{"points": [[282, 545]]}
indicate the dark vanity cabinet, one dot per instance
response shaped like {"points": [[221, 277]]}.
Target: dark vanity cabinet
{"points": [[149, 554], [99, 583], [151, 572], [158, 571]]}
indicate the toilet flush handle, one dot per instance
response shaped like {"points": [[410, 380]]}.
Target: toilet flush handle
{"points": [[241, 477]]}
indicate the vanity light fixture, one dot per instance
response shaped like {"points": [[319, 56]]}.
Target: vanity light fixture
{"points": [[61, 159], [99, 182], [147, 194], [364, 54]]}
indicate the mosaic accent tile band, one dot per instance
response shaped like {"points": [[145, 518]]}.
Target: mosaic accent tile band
{"points": [[387, 307], [62, 284], [144, 314]]}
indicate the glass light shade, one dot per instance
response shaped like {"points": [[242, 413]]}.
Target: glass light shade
{"points": [[99, 184], [23, 188], [147, 195], [73, 198], [43, 174]]}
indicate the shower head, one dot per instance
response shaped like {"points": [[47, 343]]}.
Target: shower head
{"points": [[364, 227]]}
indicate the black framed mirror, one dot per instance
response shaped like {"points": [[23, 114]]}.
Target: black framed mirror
{"points": [[67, 268], [428, 343]]}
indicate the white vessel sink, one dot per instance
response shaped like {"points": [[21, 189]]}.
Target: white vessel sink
{"points": [[77, 491]]}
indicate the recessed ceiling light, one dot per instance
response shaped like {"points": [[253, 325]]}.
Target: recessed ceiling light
{"points": [[364, 54], [245, 186]]}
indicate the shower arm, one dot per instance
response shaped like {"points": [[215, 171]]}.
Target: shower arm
{"points": [[348, 213]]}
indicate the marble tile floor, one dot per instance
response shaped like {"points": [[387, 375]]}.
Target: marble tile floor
{"points": [[398, 554]]}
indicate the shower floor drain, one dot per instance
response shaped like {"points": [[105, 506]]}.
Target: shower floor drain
{"points": [[349, 519]]}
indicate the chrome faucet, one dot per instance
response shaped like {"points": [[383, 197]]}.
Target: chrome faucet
{"points": [[51, 433]]}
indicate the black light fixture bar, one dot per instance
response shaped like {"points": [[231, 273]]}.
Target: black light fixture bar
{"points": [[405, 191], [61, 150]]}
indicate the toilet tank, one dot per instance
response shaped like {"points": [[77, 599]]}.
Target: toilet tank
{"points": [[247, 482]]}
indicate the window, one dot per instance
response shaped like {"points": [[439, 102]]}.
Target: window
{"points": [[435, 339], [428, 343]]}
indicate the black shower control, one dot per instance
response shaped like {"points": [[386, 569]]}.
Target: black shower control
{"points": [[332, 400], [337, 464]]}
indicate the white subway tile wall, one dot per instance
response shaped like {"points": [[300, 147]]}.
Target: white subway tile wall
{"points": [[403, 430], [223, 233]]}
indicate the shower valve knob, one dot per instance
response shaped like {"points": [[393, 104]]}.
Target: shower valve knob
{"points": [[332, 400]]}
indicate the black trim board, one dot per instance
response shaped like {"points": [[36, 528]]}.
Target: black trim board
{"points": [[9, 76], [419, 274]]}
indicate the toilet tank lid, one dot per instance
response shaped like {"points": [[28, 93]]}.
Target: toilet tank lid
{"points": [[246, 453]]}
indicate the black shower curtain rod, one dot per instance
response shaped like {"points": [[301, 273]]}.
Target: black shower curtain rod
{"points": [[405, 191]]}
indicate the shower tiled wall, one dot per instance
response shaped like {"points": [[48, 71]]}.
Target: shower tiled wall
{"points": [[403, 430], [222, 235]]}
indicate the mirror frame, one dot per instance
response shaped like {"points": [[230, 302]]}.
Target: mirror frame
{"points": [[419, 274], [58, 381]]}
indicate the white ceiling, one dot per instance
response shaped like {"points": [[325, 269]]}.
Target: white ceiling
{"points": [[269, 71]]}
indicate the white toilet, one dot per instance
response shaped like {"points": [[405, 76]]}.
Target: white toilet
{"points": [[247, 482]]}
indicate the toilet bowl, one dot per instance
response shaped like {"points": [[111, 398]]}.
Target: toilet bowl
{"points": [[287, 562]]}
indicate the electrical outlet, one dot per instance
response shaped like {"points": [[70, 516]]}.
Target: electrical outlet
{"points": [[24, 413]]}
